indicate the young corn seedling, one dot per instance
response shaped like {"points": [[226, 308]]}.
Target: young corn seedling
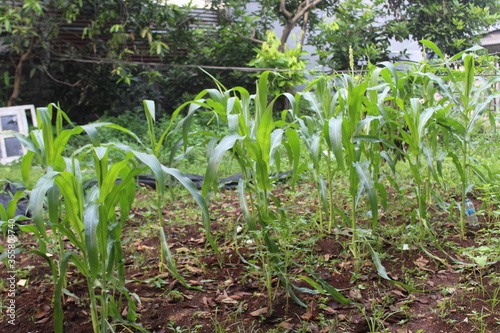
{"points": [[253, 141], [469, 107], [155, 147]]}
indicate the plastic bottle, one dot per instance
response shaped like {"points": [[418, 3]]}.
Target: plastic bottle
{"points": [[470, 212]]}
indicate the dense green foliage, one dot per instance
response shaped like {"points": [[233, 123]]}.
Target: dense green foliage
{"points": [[452, 25], [101, 74], [354, 32]]}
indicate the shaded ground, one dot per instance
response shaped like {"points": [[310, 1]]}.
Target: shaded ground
{"points": [[452, 296]]}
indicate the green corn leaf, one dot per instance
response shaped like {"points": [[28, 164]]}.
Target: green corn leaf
{"points": [[58, 291], [46, 134], [429, 157], [4, 216], [150, 110], [100, 155], [49, 261], [318, 289], [468, 60], [334, 140], [323, 196], [200, 200], [25, 141], [61, 141], [276, 138], [233, 122], [264, 129], [171, 265], [53, 202], [261, 96], [38, 197], [458, 164], [26, 167], [383, 273], [433, 47], [424, 118], [108, 183], [327, 288], [375, 139], [12, 205], [452, 125], [91, 221], [155, 166], [216, 159], [293, 148], [369, 187], [247, 215], [315, 149], [72, 191]]}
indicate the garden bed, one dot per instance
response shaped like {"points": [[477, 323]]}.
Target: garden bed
{"points": [[451, 297]]}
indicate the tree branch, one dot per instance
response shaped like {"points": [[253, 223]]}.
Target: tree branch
{"points": [[304, 7], [58, 81], [285, 12]]}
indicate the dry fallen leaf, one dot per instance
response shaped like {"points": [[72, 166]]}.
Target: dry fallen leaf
{"points": [[259, 312], [286, 325], [224, 298], [397, 292], [208, 301], [236, 297], [40, 314], [330, 310], [43, 321], [421, 263], [355, 293], [144, 247], [309, 315], [182, 249], [193, 269], [242, 293]]}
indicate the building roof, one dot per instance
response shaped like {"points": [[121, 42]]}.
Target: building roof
{"points": [[491, 38]]}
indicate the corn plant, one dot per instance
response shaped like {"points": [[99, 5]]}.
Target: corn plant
{"points": [[347, 134], [414, 134], [254, 141], [470, 98], [322, 102], [155, 147], [87, 217], [90, 223]]}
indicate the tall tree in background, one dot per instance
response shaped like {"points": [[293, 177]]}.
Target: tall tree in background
{"points": [[355, 28], [453, 25], [30, 30], [26, 29], [288, 13]]}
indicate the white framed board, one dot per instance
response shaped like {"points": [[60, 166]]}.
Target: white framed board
{"points": [[14, 118]]}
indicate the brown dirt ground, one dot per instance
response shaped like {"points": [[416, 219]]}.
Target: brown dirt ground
{"points": [[234, 297]]}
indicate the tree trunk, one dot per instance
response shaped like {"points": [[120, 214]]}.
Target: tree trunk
{"points": [[18, 78], [292, 19], [286, 33]]}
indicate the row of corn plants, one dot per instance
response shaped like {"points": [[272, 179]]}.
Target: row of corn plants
{"points": [[84, 211], [339, 127], [358, 127]]}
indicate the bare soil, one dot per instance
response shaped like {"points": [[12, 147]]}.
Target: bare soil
{"points": [[450, 296]]}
